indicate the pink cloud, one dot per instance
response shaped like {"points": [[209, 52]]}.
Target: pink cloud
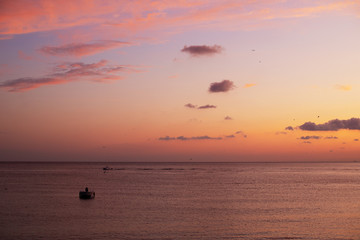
{"points": [[130, 18], [81, 49], [22, 16], [24, 56], [24, 84], [6, 37], [3, 68], [68, 72], [173, 76]]}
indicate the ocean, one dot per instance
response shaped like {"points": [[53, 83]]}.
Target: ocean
{"points": [[180, 201]]}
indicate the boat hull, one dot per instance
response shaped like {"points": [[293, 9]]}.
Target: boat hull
{"points": [[86, 195]]}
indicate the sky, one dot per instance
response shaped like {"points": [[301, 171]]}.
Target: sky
{"points": [[180, 80]]}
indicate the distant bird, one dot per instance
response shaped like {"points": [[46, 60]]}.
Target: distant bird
{"points": [[253, 50], [318, 116]]}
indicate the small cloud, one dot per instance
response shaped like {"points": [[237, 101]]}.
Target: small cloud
{"points": [[173, 76], [307, 142], [332, 125], [289, 128], [241, 133], [167, 138], [205, 138], [182, 138], [189, 105], [281, 133], [356, 139], [331, 137], [223, 86], [227, 118], [248, 85], [82, 49], [230, 136], [206, 106], [202, 50], [310, 137], [343, 87]]}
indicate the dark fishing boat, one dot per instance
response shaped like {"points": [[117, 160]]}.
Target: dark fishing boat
{"points": [[86, 194]]}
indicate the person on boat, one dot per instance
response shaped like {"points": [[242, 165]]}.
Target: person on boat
{"points": [[86, 189]]}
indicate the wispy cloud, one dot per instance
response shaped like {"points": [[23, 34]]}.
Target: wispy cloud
{"points": [[68, 72], [223, 86], [202, 50], [331, 137], [3, 68], [228, 118], [230, 136], [167, 138], [134, 17], [182, 138], [241, 133], [173, 76], [189, 105], [6, 37], [289, 128], [82, 49], [24, 56], [310, 137], [207, 106], [332, 125], [249, 85], [343, 87]]}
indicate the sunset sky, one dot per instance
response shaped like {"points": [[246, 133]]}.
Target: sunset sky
{"points": [[180, 80]]}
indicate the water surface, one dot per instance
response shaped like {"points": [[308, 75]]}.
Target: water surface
{"points": [[180, 201]]}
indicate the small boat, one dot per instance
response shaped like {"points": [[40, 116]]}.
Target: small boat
{"points": [[107, 168], [86, 194]]}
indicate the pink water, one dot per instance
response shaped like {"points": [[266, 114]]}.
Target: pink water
{"points": [[180, 201]]}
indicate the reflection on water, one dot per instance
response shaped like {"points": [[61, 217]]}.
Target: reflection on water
{"points": [[180, 201]]}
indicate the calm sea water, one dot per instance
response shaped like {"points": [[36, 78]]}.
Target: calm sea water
{"points": [[180, 201]]}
